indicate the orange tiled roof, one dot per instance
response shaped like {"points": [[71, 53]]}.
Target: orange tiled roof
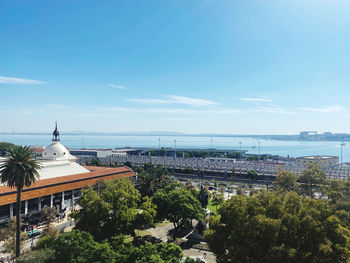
{"points": [[64, 183]]}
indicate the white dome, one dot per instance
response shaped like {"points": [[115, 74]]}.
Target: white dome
{"points": [[56, 151]]}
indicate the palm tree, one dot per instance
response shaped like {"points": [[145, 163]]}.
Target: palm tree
{"points": [[18, 170]]}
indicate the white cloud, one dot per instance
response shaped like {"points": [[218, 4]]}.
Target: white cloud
{"points": [[150, 101], [275, 109], [328, 109], [116, 86], [255, 100], [174, 99], [9, 80], [191, 101], [112, 110]]}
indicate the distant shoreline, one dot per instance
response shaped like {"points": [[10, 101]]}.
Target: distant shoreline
{"points": [[318, 137]]}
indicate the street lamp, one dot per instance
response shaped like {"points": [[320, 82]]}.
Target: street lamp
{"points": [[341, 152]]}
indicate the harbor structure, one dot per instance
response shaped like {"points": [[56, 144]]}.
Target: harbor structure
{"points": [[323, 160]]}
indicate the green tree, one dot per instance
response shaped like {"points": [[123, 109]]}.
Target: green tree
{"points": [[5, 147], [128, 164], [252, 176], [311, 180], [217, 199], [145, 183], [146, 214], [178, 205], [286, 181], [151, 178], [115, 209], [37, 256], [77, 247], [272, 227], [157, 253], [338, 194], [19, 170], [80, 247]]}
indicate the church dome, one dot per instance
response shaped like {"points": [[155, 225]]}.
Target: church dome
{"points": [[56, 151]]}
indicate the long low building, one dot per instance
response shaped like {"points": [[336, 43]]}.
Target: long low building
{"points": [[60, 183]]}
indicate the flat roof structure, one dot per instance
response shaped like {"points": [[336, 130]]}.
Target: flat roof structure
{"points": [[317, 157], [324, 160]]}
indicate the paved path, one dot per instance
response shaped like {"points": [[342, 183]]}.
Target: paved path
{"points": [[161, 231], [208, 256]]}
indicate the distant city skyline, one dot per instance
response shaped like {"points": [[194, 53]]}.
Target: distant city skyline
{"points": [[199, 66]]}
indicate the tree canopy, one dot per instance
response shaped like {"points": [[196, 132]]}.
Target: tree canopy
{"points": [[113, 208], [177, 205], [4, 147], [151, 178], [311, 180], [273, 227], [286, 181], [80, 247]]}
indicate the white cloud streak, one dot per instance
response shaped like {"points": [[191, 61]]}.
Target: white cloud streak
{"points": [[255, 100], [328, 109], [20, 81], [167, 110], [274, 109], [114, 86], [174, 99]]}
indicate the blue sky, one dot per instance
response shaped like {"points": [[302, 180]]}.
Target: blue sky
{"points": [[194, 66]]}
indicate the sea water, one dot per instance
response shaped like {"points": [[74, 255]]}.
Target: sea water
{"points": [[251, 145]]}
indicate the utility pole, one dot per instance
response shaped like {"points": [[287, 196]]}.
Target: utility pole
{"points": [[341, 152], [240, 150]]}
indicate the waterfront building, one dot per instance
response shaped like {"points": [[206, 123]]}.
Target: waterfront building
{"points": [[60, 183], [97, 153], [322, 160]]}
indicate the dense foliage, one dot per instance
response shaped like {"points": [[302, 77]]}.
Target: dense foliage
{"points": [[177, 205], [113, 208], [151, 178], [79, 247], [4, 147], [273, 227], [311, 179], [286, 181]]}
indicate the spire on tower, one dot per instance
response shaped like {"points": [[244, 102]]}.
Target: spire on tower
{"points": [[56, 134]]}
